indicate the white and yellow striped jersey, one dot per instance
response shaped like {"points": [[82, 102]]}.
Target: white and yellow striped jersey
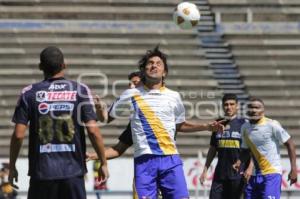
{"points": [[154, 115], [264, 140]]}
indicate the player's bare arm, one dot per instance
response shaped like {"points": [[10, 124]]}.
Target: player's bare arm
{"points": [[248, 172], [97, 142], [244, 157], [15, 146], [212, 151], [116, 150], [110, 153], [292, 156], [101, 109], [193, 127]]}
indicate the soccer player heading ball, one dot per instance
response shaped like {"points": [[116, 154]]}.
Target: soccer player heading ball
{"points": [[158, 113]]}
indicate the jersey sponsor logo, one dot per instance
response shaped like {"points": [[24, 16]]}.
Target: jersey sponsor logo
{"points": [[41, 96], [235, 134], [44, 108], [156, 94], [50, 148], [61, 107], [53, 96], [57, 86], [225, 134], [229, 144]]}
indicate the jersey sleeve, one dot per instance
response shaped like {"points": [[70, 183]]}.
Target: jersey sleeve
{"points": [[179, 110], [279, 132], [120, 104], [126, 136], [21, 114], [87, 104]]}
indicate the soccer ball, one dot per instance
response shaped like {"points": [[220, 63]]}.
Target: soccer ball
{"points": [[186, 15]]}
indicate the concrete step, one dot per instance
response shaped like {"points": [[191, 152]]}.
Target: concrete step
{"points": [[92, 12]]}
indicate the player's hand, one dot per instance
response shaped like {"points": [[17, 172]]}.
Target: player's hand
{"points": [[292, 176], [236, 166], [99, 105], [216, 126], [247, 174], [103, 174], [13, 176], [203, 177], [90, 156]]}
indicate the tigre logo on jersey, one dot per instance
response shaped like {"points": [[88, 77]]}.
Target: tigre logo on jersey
{"points": [[43, 96]]}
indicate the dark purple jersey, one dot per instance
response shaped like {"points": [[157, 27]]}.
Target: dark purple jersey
{"points": [[56, 110]]}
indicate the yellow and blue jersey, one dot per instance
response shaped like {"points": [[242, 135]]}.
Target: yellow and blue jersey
{"points": [[154, 115], [264, 139]]}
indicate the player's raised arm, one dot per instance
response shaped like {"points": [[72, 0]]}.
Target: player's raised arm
{"points": [[187, 126], [101, 109]]}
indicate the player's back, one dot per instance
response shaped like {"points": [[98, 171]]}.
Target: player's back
{"points": [[55, 108]]}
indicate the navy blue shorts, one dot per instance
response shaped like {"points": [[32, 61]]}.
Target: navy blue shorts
{"points": [[70, 188], [226, 189]]}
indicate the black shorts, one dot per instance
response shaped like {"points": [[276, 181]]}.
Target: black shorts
{"points": [[70, 188], [226, 189]]}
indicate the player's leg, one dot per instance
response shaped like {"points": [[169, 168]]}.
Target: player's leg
{"points": [[272, 186], [46, 189], [171, 178], [253, 188], [216, 189], [234, 188], [72, 188], [145, 176]]}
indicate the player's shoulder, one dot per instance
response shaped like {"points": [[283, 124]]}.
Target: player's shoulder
{"points": [[79, 85], [272, 122], [133, 91], [27, 88], [246, 124], [170, 92], [239, 120]]}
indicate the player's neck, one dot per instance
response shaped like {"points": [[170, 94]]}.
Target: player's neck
{"points": [[232, 117], [57, 75], [257, 121], [151, 85]]}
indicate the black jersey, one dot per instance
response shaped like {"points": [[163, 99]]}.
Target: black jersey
{"points": [[56, 110], [228, 145]]}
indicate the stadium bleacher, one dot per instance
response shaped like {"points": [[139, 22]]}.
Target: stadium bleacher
{"points": [[265, 46], [101, 37], [110, 36]]}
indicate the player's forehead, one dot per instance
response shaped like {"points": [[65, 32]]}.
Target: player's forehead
{"points": [[135, 78], [155, 59], [230, 102], [255, 104]]}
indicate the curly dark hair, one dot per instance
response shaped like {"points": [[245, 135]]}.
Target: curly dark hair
{"points": [[153, 53]]}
